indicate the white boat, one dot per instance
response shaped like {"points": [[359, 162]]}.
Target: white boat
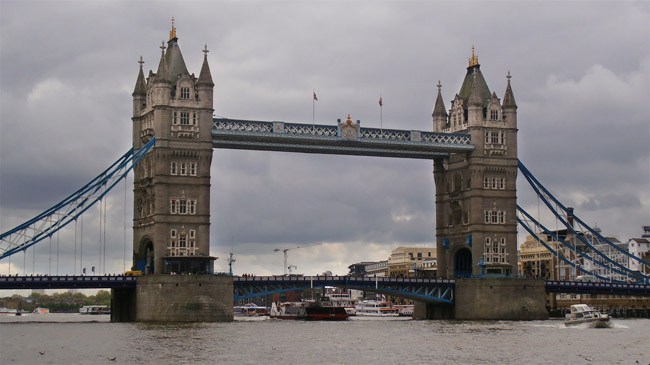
{"points": [[95, 309], [582, 313], [373, 308], [288, 310], [250, 310], [344, 300], [405, 310], [40, 310]]}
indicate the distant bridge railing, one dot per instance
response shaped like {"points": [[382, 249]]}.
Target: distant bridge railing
{"points": [[581, 287], [422, 290], [67, 282], [342, 139]]}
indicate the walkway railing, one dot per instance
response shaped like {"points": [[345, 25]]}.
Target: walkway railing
{"points": [[343, 139]]}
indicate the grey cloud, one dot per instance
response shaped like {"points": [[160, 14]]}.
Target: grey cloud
{"points": [[583, 116]]}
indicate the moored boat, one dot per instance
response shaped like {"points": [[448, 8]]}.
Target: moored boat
{"points": [[373, 308], [250, 310], [95, 309], [584, 314], [308, 311], [40, 310], [344, 300]]}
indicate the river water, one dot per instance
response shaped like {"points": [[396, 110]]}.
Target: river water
{"points": [[77, 339]]}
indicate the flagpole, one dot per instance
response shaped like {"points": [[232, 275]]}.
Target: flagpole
{"points": [[313, 111], [381, 116]]}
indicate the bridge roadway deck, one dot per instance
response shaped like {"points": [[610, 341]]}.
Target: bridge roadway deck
{"points": [[257, 285], [340, 139]]}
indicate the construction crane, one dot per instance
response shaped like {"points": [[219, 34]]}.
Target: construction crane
{"points": [[285, 250]]}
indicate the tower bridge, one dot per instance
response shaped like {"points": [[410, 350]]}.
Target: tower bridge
{"points": [[473, 148]]}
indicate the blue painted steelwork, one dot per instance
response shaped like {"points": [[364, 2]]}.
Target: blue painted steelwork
{"points": [[69, 209], [328, 139], [580, 287], [67, 282], [531, 231], [422, 290], [547, 197]]}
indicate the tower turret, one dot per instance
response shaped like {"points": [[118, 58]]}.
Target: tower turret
{"points": [[161, 82], [139, 92], [205, 85], [439, 113], [475, 102], [509, 106]]}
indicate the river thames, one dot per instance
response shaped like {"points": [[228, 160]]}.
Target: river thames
{"points": [[77, 339]]}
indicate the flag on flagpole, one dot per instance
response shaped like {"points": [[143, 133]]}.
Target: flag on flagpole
{"points": [[315, 98], [381, 103]]}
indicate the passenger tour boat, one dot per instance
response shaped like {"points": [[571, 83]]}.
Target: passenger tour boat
{"points": [[373, 308]]}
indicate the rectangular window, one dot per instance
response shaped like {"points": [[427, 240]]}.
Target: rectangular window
{"points": [[502, 183], [182, 206], [502, 218], [493, 216], [494, 115], [192, 244], [173, 170], [185, 118], [173, 243], [191, 207], [173, 203], [192, 168], [488, 241], [192, 233], [172, 233], [182, 241], [487, 216], [185, 93], [194, 118], [487, 137], [486, 182], [175, 119], [494, 182], [503, 242], [183, 168], [502, 137], [494, 137]]}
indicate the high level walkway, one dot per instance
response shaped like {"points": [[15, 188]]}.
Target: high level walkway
{"points": [[345, 138]]}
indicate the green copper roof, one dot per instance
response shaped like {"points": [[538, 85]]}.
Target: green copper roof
{"points": [[466, 89]]}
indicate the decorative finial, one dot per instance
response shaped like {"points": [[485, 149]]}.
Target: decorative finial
{"points": [[205, 50], [172, 33], [473, 61], [163, 47], [508, 76], [349, 121], [141, 62], [439, 85]]}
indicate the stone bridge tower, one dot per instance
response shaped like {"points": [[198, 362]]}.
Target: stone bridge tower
{"points": [[476, 221], [171, 215]]}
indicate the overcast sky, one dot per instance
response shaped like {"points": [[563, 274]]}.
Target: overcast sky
{"points": [[580, 76]]}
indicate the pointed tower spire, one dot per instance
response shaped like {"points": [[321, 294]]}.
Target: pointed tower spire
{"points": [[140, 87], [475, 98], [163, 69], [439, 108], [205, 77], [509, 97]]}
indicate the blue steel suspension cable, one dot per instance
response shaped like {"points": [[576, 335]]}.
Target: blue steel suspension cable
{"points": [[537, 187], [532, 180], [558, 239], [77, 203]]}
